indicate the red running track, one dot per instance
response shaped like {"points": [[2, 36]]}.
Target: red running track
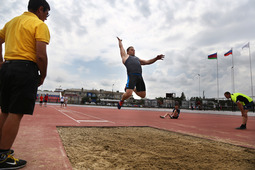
{"points": [[39, 143]]}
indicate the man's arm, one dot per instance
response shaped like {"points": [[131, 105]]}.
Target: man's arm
{"points": [[147, 62], [42, 60], [123, 53], [1, 51]]}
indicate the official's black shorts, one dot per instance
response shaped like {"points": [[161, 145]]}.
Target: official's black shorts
{"points": [[135, 80], [19, 82]]}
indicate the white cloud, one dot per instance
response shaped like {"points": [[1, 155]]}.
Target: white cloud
{"points": [[84, 52]]}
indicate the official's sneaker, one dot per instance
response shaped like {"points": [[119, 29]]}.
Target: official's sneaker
{"points": [[242, 127], [120, 104], [11, 152], [162, 117], [9, 162]]}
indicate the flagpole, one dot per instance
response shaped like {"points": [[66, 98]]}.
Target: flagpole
{"points": [[233, 72], [217, 82], [199, 85], [251, 73]]}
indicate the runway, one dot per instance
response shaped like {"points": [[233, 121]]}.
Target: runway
{"points": [[39, 143]]}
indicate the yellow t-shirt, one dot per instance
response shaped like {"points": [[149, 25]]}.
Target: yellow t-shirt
{"points": [[20, 35]]}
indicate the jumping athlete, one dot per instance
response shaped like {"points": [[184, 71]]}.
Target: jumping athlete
{"points": [[243, 102], [134, 71]]}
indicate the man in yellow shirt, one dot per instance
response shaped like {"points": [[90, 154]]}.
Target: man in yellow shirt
{"points": [[244, 103], [25, 38]]}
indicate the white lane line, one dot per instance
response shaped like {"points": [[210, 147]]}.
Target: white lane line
{"points": [[93, 121], [79, 121], [92, 116], [66, 115]]}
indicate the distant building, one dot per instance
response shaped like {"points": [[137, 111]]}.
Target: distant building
{"points": [[101, 96], [150, 103]]}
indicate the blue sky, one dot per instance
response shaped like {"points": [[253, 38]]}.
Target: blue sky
{"points": [[84, 53]]}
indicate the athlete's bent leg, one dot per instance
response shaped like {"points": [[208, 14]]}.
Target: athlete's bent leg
{"points": [[127, 94], [141, 94], [245, 116], [175, 114]]}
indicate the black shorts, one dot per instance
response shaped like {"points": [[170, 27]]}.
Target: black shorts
{"points": [[248, 106], [19, 82], [135, 80], [175, 117]]}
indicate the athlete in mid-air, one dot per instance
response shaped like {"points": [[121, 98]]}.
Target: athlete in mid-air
{"points": [[134, 71], [243, 102]]}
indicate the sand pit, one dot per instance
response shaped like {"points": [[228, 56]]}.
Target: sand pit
{"points": [[149, 148]]}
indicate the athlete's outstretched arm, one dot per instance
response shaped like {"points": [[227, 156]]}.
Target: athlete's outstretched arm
{"points": [[146, 62], [123, 53]]}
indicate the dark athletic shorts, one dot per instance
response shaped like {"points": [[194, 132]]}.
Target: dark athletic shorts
{"points": [[135, 80], [19, 82], [248, 106], [175, 117]]}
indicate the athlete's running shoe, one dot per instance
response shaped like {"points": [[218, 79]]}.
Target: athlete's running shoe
{"points": [[242, 127], [162, 117], [120, 104], [7, 161]]}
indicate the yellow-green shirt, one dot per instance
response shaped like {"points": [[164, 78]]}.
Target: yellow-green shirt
{"points": [[20, 35], [242, 98]]}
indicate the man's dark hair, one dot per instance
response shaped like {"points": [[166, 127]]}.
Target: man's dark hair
{"points": [[34, 5], [228, 93], [129, 48]]}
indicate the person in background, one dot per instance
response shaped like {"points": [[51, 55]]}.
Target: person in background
{"points": [[62, 101], [66, 100], [175, 113], [45, 100], [244, 103], [41, 100]]}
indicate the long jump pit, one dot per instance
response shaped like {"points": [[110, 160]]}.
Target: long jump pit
{"points": [[149, 148]]}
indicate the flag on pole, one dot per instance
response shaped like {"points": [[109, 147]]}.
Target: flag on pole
{"points": [[246, 45], [228, 53], [212, 56]]}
